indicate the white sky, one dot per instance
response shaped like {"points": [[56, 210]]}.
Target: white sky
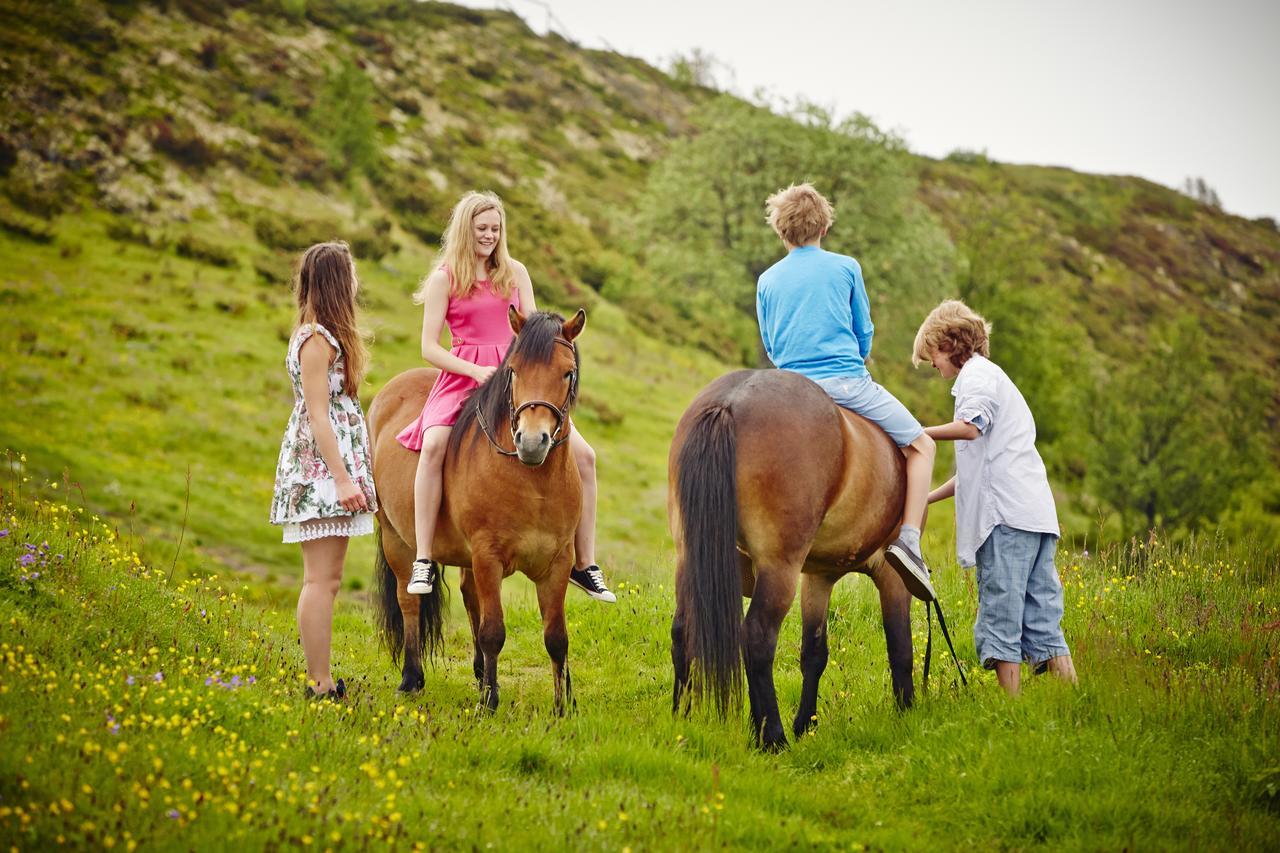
{"points": [[1165, 90]]}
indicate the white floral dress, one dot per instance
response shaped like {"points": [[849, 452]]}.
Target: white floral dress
{"points": [[306, 495]]}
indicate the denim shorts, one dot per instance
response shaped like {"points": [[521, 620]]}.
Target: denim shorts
{"points": [[864, 395], [1019, 598]]}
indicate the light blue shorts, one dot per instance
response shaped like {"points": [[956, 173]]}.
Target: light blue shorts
{"points": [[864, 395], [1019, 598]]}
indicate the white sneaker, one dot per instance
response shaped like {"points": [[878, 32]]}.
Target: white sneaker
{"points": [[423, 579]]}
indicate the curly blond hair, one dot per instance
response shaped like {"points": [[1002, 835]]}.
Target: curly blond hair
{"points": [[799, 214], [955, 329]]}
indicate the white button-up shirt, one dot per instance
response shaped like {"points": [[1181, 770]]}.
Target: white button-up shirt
{"points": [[1000, 478]]}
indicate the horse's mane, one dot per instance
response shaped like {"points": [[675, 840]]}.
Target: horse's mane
{"points": [[535, 344]]}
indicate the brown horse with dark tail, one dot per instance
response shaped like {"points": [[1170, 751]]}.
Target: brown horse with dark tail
{"points": [[770, 482], [511, 502]]}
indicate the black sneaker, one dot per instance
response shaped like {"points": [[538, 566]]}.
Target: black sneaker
{"points": [[591, 581], [911, 568], [423, 579]]}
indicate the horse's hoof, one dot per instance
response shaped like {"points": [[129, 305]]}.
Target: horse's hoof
{"points": [[777, 744], [411, 685], [803, 726]]}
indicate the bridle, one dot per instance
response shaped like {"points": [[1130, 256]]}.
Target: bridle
{"points": [[561, 411]]}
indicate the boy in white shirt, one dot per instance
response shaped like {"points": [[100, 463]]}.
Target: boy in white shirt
{"points": [[1006, 521]]}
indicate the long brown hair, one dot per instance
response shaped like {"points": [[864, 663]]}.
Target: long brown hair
{"points": [[458, 249], [325, 287]]}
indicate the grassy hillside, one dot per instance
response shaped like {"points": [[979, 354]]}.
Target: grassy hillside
{"points": [[140, 710], [162, 163]]}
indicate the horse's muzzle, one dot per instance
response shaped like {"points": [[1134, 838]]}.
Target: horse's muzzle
{"points": [[532, 448]]}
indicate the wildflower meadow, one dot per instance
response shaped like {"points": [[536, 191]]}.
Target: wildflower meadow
{"points": [[143, 707]]}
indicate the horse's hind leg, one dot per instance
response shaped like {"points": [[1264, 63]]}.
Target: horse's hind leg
{"points": [[472, 602], [774, 592], [679, 646], [399, 556], [555, 636], [895, 612], [815, 600]]}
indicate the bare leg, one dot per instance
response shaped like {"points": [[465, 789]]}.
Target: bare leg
{"points": [[322, 561], [919, 455], [1062, 667], [584, 538], [427, 483], [1010, 676]]}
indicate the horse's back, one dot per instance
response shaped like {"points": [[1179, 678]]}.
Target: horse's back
{"points": [[392, 409], [812, 479]]}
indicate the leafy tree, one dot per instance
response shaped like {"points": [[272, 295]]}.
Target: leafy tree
{"points": [[704, 235], [1173, 439], [343, 113]]}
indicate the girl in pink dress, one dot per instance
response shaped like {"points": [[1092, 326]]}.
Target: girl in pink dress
{"points": [[470, 290]]}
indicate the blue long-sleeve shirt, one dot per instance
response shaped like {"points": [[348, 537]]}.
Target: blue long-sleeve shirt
{"points": [[814, 315]]}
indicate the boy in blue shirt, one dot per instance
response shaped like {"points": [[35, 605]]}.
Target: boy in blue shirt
{"points": [[815, 320]]}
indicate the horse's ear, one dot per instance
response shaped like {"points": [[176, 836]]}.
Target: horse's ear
{"points": [[573, 326], [515, 318]]}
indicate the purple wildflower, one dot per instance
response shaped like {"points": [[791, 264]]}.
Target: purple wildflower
{"points": [[26, 559], [173, 814], [129, 681], [202, 613], [253, 680], [208, 681], [4, 533], [158, 677], [235, 681]]}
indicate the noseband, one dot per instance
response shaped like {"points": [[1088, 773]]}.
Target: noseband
{"points": [[561, 411]]}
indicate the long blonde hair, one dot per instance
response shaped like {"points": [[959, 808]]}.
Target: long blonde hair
{"points": [[325, 287], [458, 250]]}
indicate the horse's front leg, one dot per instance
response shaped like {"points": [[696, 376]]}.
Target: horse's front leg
{"points": [[472, 602], [774, 592], [895, 612], [486, 570], [815, 601], [555, 635]]}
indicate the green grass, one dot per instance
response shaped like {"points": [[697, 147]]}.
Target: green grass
{"points": [[1171, 740], [131, 366]]}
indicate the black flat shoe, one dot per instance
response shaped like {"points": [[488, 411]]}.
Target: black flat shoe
{"points": [[337, 694]]}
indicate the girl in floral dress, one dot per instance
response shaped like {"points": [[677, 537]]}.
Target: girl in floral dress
{"points": [[470, 291], [324, 480]]}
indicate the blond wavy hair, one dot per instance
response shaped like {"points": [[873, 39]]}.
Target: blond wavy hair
{"points": [[799, 214], [458, 250], [954, 329]]}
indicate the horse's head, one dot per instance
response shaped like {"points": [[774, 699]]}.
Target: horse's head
{"points": [[532, 391], [542, 372]]}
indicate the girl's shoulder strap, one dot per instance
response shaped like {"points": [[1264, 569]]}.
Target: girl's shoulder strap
{"points": [[306, 330]]}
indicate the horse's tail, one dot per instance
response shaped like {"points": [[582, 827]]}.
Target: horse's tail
{"points": [[386, 605], [710, 584], [390, 619]]}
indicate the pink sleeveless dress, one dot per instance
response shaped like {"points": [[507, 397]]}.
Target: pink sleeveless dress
{"points": [[481, 335]]}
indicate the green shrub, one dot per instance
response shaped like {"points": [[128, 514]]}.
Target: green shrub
{"points": [[191, 246], [17, 222]]}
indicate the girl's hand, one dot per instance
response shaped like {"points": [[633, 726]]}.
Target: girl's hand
{"points": [[350, 496], [482, 373]]}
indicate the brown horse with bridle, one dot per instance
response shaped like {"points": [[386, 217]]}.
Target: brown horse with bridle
{"points": [[510, 503], [769, 482]]}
